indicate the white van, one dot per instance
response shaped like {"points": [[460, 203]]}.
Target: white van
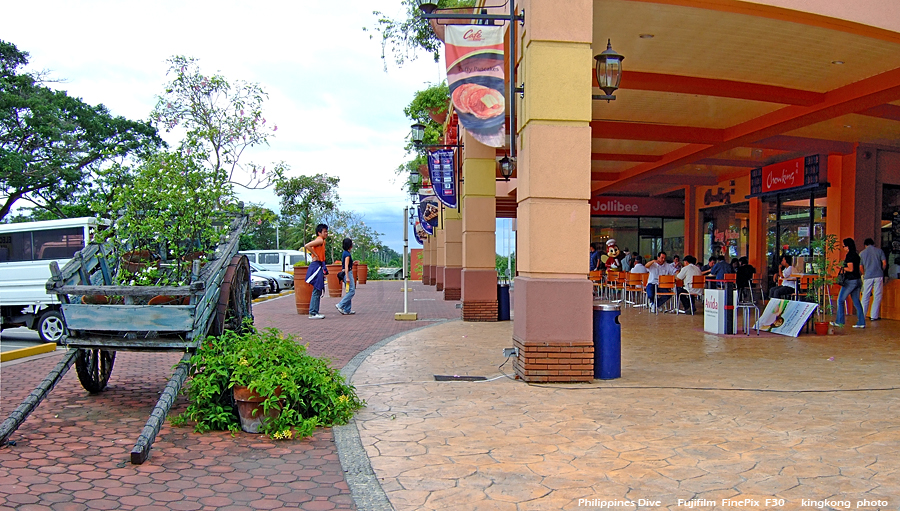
{"points": [[26, 251], [276, 260]]}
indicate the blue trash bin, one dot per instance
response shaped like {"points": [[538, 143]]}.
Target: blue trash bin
{"points": [[607, 342], [502, 302]]}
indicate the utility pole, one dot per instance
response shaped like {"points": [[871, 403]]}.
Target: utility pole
{"points": [[405, 315]]}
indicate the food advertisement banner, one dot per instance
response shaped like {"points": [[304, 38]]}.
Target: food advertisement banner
{"points": [[475, 74], [442, 168], [419, 233], [785, 317]]}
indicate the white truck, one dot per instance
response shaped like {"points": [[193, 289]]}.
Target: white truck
{"points": [[26, 251]]}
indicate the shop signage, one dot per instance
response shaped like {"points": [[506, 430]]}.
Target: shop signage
{"points": [[723, 236], [476, 78], [441, 167], [804, 171], [636, 206]]}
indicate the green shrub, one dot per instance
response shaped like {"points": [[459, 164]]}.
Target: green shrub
{"points": [[308, 391]]}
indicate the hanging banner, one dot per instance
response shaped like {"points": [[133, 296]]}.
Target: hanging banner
{"points": [[419, 233], [476, 78], [429, 210], [442, 168]]}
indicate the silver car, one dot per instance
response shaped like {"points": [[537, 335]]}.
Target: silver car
{"points": [[282, 280]]}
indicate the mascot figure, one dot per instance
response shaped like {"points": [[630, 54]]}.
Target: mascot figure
{"points": [[614, 256]]}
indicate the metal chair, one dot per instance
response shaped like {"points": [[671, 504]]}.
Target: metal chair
{"points": [[596, 278], [634, 287], [665, 282]]}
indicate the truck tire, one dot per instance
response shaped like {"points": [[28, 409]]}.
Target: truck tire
{"points": [[51, 327]]}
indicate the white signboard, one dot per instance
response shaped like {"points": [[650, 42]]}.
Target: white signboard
{"points": [[785, 317], [714, 312]]}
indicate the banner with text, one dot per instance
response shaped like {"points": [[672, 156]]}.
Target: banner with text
{"points": [[476, 78], [785, 317], [442, 168], [429, 211]]}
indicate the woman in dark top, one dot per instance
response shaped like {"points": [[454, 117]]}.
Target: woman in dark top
{"points": [[349, 282], [851, 287]]}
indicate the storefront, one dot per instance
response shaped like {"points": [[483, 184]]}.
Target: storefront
{"points": [[644, 225], [725, 220]]}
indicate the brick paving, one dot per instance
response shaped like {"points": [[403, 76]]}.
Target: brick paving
{"points": [[73, 451]]}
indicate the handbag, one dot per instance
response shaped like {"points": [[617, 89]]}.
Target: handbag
{"points": [[341, 274], [841, 278]]}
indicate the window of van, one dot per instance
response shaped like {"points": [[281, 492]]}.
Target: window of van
{"points": [[251, 257], [297, 259], [269, 258], [58, 243]]}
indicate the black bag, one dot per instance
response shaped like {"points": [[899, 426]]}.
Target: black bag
{"points": [[341, 274], [841, 279]]}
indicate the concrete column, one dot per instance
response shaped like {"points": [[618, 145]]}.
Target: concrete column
{"points": [[693, 241], [479, 213], [453, 254], [426, 261], [440, 248], [553, 299]]}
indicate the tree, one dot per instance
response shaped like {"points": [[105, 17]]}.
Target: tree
{"points": [[260, 232], [346, 224], [220, 119], [425, 103], [414, 33], [503, 264], [51, 143], [303, 200]]}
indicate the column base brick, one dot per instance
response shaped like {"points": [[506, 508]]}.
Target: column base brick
{"points": [[479, 311], [555, 362], [452, 294]]}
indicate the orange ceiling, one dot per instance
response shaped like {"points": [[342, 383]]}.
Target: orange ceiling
{"points": [[723, 86]]}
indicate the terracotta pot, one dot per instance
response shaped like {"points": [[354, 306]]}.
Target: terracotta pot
{"points": [[137, 260], [101, 300], [356, 271], [332, 283], [302, 290], [250, 409], [166, 300], [436, 116], [363, 273], [821, 328]]}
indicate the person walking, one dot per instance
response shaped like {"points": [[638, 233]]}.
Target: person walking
{"points": [[349, 282], [595, 257], [851, 287], [315, 274], [874, 263]]}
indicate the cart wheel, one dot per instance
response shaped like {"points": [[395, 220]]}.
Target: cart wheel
{"points": [[51, 327], [94, 367], [235, 297]]}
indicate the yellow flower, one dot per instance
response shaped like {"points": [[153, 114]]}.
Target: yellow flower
{"points": [[343, 398], [244, 362]]}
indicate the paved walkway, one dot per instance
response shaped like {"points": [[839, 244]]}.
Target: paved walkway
{"points": [[73, 452]]}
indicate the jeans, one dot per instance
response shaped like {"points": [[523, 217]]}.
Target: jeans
{"points": [[344, 304], [314, 301], [651, 294], [851, 289], [873, 288]]}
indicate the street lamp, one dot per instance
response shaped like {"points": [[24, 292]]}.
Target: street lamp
{"points": [[507, 166], [608, 71], [417, 133]]}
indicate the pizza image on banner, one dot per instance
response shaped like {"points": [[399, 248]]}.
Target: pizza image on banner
{"points": [[476, 78]]}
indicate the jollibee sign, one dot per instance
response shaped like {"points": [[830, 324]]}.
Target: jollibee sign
{"points": [[614, 205]]}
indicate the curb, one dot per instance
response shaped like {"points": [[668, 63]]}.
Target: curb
{"points": [[27, 352]]}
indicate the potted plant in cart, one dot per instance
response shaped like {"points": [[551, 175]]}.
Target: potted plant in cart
{"points": [[825, 266]]}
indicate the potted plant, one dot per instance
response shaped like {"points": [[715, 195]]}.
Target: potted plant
{"points": [[825, 266], [287, 392]]}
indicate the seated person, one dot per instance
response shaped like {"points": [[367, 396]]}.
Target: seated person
{"points": [[687, 273], [721, 268], [788, 284], [706, 268], [638, 265], [744, 272]]}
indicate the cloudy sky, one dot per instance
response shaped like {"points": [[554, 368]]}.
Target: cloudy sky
{"points": [[337, 110]]}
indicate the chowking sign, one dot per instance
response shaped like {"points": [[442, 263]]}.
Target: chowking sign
{"points": [[784, 175], [475, 75]]}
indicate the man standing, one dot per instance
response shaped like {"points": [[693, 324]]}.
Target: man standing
{"points": [[315, 275], [874, 263], [658, 267]]}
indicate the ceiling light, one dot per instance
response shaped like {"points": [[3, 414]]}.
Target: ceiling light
{"points": [[646, 36], [847, 126], [837, 61]]}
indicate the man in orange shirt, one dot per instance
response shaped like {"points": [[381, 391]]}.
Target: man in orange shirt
{"points": [[315, 275]]}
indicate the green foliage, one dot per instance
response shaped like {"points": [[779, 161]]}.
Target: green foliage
{"points": [[304, 199], [221, 119], [433, 99], [51, 144], [308, 392], [503, 265], [171, 207], [826, 267], [414, 33], [260, 231]]}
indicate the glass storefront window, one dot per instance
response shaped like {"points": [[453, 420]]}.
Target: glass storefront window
{"points": [[794, 220], [890, 222], [645, 235], [726, 231]]}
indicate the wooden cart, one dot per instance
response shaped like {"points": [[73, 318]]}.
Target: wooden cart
{"points": [[149, 318]]}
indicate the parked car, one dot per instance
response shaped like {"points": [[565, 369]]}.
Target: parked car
{"points": [[281, 279], [259, 286]]}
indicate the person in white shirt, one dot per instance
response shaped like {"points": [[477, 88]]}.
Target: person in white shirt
{"points": [[658, 267], [788, 284], [638, 267], [687, 273]]}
